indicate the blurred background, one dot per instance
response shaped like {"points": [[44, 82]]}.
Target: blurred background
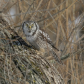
{"points": [[63, 20]]}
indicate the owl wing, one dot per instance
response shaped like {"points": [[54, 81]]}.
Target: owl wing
{"points": [[46, 38]]}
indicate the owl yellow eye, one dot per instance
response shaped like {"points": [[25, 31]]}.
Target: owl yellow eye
{"points": [[27, 25]]}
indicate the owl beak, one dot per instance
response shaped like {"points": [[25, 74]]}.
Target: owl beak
{"points": [[30, 27]]}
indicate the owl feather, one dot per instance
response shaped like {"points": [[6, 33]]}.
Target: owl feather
{"points": [[38, 38]]}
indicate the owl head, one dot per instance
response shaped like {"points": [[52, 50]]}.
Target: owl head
{"points": [[30, 27]]}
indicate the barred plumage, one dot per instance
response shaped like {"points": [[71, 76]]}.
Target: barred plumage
{"points": [[38, 38]]}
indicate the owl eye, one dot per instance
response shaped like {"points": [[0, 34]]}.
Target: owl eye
{"points": [[27, 25]]}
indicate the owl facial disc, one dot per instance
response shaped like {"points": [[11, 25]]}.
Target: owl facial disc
{"points": [[30, 27]]}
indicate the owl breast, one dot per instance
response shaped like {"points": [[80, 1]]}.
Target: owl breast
{"points": [[38, 41], [42, 43]]}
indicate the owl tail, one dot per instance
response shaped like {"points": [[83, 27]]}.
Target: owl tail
{"points": [[56, 57]]}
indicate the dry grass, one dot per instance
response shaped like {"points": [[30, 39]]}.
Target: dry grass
{"points": [[61, 19]]}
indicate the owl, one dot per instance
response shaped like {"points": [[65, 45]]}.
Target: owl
{"points": [[39, 39]]}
